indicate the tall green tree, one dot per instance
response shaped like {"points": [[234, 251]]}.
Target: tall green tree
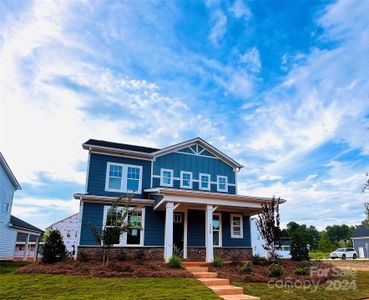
{"points": [[339, 233], [325, 244], [311, 234], [54, 249], [299, 246]]}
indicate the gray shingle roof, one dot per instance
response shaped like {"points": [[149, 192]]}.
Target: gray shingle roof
{"points": [[120, 146], [360, 231], [16, 222]]}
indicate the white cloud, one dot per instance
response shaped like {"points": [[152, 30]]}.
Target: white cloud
{"points": [[251, 60], [240, 10], [218, 27]]}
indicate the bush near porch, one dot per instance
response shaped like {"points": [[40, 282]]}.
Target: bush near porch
{"points": [[147, 268]]}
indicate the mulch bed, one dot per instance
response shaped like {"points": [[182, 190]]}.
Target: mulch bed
{"points": [[148, 268], [321, 272]]}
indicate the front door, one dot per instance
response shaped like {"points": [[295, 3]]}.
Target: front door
{"points": [[178, 233]]}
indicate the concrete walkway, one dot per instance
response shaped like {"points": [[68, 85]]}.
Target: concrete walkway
{"points": [[219, 286]]}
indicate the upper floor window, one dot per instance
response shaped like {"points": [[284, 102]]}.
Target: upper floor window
{"points": [[236, 226], [123, 178], [186, 180], [5, 207], [222, 182], [204, 183], [166, 177]]}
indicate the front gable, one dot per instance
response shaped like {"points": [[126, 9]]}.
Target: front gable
{"points": [[196, 150]]}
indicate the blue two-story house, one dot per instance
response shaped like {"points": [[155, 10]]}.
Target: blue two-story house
{"points": [[186, 196]]}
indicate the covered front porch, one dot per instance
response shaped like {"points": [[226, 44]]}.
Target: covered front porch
{"points": [[202, 225]]}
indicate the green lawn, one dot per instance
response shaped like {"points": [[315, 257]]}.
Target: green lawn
{"points": [[43, 286], [325, 291]]}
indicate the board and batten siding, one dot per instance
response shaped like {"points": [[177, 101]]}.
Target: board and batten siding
{"points": [[196, 164], [361, 243], [154, 227], [98, 168], [8, 235]]}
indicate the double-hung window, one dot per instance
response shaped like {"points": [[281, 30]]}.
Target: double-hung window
{"points": [[123, 178], [135, 218], [236, 226], [186, 180], [204, 182], [222, 183], [166, 177]]}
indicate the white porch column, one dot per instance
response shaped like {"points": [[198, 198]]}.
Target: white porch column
{"points": [[168, 234], [25, 254], [209, 233], [36, 248]]}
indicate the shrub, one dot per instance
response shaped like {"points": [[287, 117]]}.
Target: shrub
{"points": [[139, 256], [175, 262], [217, 262], [299, 249], [303, 268], [235, 260], [54, 249], [275, 270], [122, 255], [257, 260], [246, 268]]}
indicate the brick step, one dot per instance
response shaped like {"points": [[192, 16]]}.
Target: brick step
{"points": [[214, 281], [205, 274], [197, 269], [239, 297], [226, 290]]}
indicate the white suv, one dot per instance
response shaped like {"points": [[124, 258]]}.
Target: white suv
{"points": [[344, 253]]}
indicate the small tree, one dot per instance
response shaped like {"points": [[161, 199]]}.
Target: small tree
{"points": [[117, 223], [325, 244], [366, 221], [54, 249], [299, 247], [268, 224]]}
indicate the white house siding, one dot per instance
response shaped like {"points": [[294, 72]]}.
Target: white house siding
{"points": [[256, 240], [8, 235], [66, 225]]}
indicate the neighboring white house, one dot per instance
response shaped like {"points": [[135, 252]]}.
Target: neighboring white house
{"points": [[13, 229], [257, 243], [68, 228]]}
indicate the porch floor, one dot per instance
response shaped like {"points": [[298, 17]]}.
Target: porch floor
{"points": [[219, 286]]}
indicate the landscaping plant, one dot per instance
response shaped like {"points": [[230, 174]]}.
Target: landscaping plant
{"points": [[299, 247], [303, 269], [269, 227], [54, 249], [246, 268], [217, 262], [175, 262], [275, 270]]}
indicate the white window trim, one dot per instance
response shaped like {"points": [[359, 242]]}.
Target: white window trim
{"points": [[220, 230], [233, 236], [161, 177], [209, 182], [123, 186], [226, 183], [183, 186], [123, 237]]}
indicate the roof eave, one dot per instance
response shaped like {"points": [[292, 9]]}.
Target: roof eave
{"points": [[10, 173], [117, 151]]}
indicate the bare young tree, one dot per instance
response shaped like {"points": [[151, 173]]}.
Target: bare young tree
{"points": [[269, 226], [117, 223]]}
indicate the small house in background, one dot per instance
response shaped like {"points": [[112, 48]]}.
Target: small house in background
{"points": [[360, 240], [257, 243], [18, 239], [68, 229]]}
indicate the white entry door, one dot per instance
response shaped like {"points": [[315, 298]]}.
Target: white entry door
{"points": [[361, 252]]}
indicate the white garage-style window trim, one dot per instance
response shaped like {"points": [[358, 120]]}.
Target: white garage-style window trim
{"points": [[236, 226], [133, 238], [222, 183], [166, 177], [186, 180], [204, 182], [123, 178]]}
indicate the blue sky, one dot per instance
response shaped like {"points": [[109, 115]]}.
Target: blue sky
{"points": [[281, 86]]}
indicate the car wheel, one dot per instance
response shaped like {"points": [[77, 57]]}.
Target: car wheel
{"points": [[343, 256], [354, 256]]}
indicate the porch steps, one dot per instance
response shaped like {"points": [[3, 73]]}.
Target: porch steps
{"points": [[219, 286]]}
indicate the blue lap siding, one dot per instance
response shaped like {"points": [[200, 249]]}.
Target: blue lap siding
{"points": [[97, 173], [92, 216]]}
